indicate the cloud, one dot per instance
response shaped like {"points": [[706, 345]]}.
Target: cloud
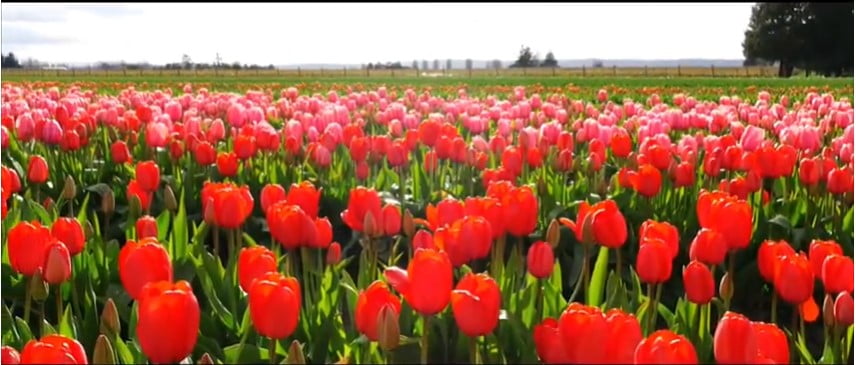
{"points": [[16, 35], [52, 13]]}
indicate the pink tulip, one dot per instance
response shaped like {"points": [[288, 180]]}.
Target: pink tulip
{"points": [[752, 138]]}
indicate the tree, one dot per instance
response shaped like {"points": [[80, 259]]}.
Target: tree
{"points": [[550, 60], [816, 37], [469, 64], [525, 59], [10, 61], [186, 62], [436, 64], [448, 64], [415, 64], [424, 64], [496, 64], [597, 64]]}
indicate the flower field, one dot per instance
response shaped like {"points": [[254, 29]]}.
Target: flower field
{"points": [[339, 222]]}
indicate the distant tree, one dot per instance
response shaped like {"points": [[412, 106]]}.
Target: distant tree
{"points": [[436, 65], [550, 60], [525, 59], [469, 64], [424, 64], [597, 64], [448, 64], [813, 36], [371, 67], [415, 64], [236, 65], [186, 62], [270, 67], [10, 61], [497, 64]]}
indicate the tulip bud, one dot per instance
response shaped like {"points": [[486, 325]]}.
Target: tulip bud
{"points": [[388, 331], [110, 318], [553, 233], [370, 226], [169, 199], [334, 253], [88, 229], [844, 309], [209, 211], [38, 287], [409, 228], [205, 360], [726, 287], [588, 229], [103, 353], [295, 354], [69, 191], [48, 203], [828, 311], [541, 186], [57, 264], [135, 208], [108, 202]]}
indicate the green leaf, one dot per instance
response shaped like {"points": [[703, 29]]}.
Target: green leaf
{"points": [[598, 278], [805, 355], [245, 354], [66, 325], [81, 216], [47, 329], [179, 230], [124, 354], [24, 330], [781, 221], [163, 226]]}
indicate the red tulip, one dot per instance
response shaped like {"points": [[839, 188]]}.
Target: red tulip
{"points": [[548, 342], [334, 253], [306, 196], [698, 283], [647, 181], [37, 170], [843, 309], [119, 152], [147, 226], [684, 174], [734, 340], [10, 356], [430, 162], [57, 263], [565, 160], [793, 278], [369, 305], [810, 171], [227, 164], [584, 334], [271, 194], [489, 208], [148, 175], [359, 149], [512, 160], [423, 239], [70, 232], [53, 349], [837, 274], [475, 304], [540, 260], [290, 225], [275, 305], [728, 215], [654, 262], [142, 262], [818, 251], [427, 283], [768, 257], [665, 347], [521, 211], [245, 146], [663, 231], [621, 145], [27, 242], [232, 204], [709, 247], [840, 181], [204, 153], [361, 201], [772, 342], [253, 263], [467, 239], [624, 336], [445, 213], [168, 321], [391, 220], [145, 197]]}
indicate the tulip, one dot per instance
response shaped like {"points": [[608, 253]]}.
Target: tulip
{"points": [[709, 247], [168, 321], [370, 302], [204, 153], [8, 355], [148, 175], [772, 342], [446, 212], [275, 302], [119, 152], [540, 260], [253, 263], [27, 242], [147, 226], [476, 304], [663, 231], [621, 145], [232, 205], [665, 347], [768, 256], [427, 283], [291, 226], [548, 342], [837, 274], [467, 239], [245, 146], [793, 278], [53, 349], [57, 263], [584, 333], [227, 164], [654, 261], [143, 262], [361, 201], [843, 309], [698, 283], [818, 251], [37, 170], [145, 197], [734, 341], [306, 196], [70, 232], [647, 181], [624, 335], [272, 193], [521, 211], [840, 181]]}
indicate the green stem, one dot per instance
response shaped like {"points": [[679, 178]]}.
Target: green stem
{"points": [[586, 273], [618, 263], [650, 308], [773, 307], [272, 351], [539, 300], [231, 242], [474, 350], [731, 263], [426, 325], [58, 304], [216, 234], [28, 301], [389, 357]]}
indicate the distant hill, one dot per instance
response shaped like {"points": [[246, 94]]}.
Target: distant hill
{"points": [[587, 62]]}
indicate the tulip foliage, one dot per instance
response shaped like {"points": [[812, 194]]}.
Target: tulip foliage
{"points": [[486, 224]]}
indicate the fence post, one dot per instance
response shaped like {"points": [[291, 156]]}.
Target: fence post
{"points": [[747, 71], [712, 71], [417, 72], [614, 70], [393, 73], [584, 70], [496, 71], [554, 70], [679, 70]]}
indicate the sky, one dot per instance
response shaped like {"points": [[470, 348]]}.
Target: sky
{"points": [[348, 33]]}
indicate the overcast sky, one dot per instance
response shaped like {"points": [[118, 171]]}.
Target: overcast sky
{"points": [[360, 33]]}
